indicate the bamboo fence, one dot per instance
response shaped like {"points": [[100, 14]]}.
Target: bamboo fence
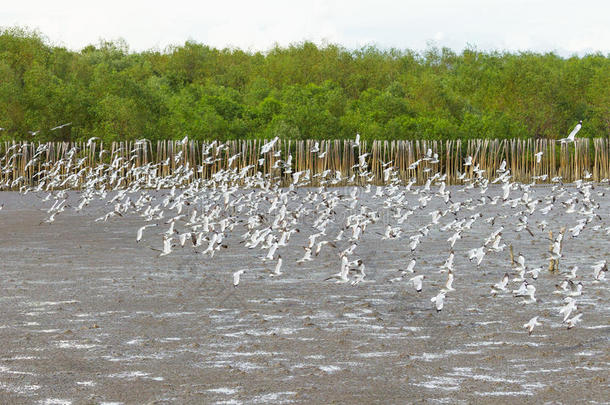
{"points": [[569, 161]]}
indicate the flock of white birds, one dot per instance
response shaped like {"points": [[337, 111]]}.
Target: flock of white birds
{"points": [[269, 209]]}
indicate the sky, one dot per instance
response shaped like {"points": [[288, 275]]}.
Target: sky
{"points": [[561, 26]]}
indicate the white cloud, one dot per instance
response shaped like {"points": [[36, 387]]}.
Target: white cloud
{"points": [[562, 25]]}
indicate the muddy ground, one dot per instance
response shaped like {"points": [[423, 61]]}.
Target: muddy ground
{"points": [[91, 317]]}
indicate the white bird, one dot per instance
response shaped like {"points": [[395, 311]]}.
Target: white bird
{"points": [[448, 265], [495, 246], [575, 288], [535, 272], [573, 321], [417, 282], [568, 308], [599, 270], [572, 273], [561, 287], [526, 290], [410, 269], [341, 277], [570, 137], [277, 271], [141, 231], [361, 274], [167, 246], [520, 261], [411, 266], [306, 257], [61, 126], [477, 253], [439, 301], [449, 284], [539, 156], [271, 251], [237, 275], [531, 324], [90, 141], [502, 167], [452, 239], [269, 145], [415, 239], [500, 286]]}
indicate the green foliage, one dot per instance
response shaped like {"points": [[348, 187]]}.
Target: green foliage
{"points": [[301, 91]]}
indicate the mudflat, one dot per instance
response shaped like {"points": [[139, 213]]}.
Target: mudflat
{"points": [[89, 316]]}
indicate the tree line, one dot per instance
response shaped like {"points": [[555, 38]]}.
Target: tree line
{"points": [[297, 92]]}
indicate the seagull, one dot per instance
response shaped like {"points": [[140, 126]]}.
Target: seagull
{"points": [[415, 239], [526, 290], [439, 301], [271, 252], [570, 137], [411, 266], [277, 271], [361, 274], [90, 141], [535, 272], [573, 321], [417, 282], [236, 276], [599, 270], [269, 145], [449, 284], [307, 257], [167, 246], [575, 288], [448, 265], [520, 261], [501, 286], [568, 308], [531, 324], [341, 277], [60, 126], [561, 287], [141, 231], [454, 238], [502, 167], [477, 253], [572, 273]]}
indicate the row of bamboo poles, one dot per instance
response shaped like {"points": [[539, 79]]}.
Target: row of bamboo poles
{"points": [[568, 161]]}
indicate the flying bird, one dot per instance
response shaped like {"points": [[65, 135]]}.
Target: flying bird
{"points": [[531, 324], [417, 282], [439, 301], [570, 137], [237, 275]]}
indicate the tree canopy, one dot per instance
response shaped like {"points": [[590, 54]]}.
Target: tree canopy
{"points": [[300, 91]]}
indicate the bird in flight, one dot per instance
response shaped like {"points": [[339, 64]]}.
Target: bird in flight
{"points": [[531, 324], [439, 301], [236, 276], [570, 137]]}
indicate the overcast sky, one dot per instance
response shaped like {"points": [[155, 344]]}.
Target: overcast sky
{"points": [[564, 26]]}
